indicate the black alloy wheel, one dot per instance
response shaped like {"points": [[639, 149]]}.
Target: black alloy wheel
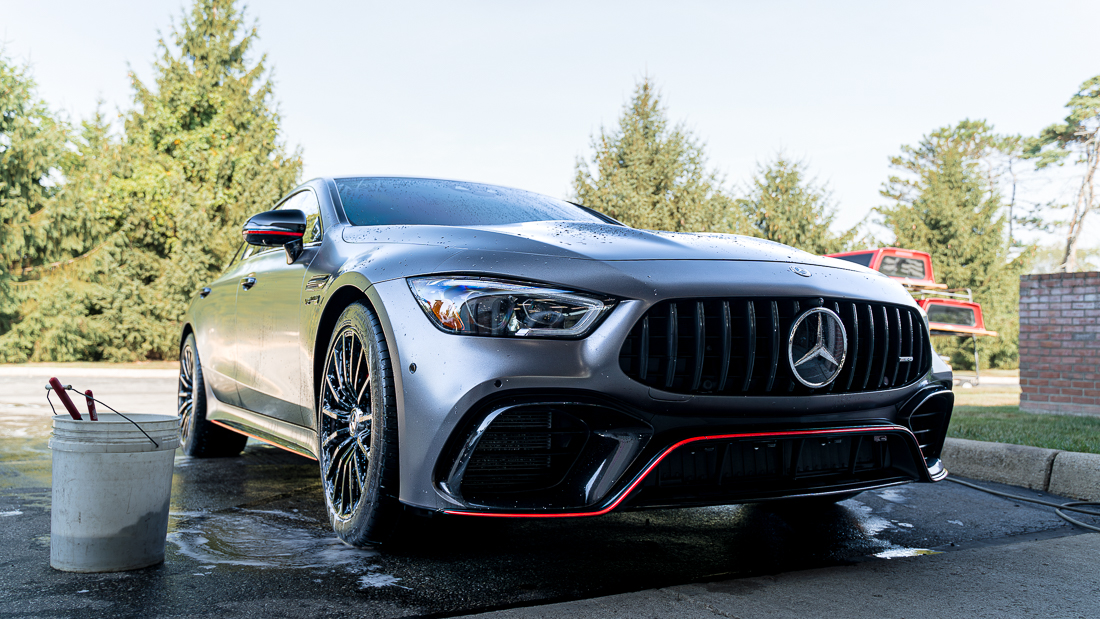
{"points": [[199, 437], [357, 430]]}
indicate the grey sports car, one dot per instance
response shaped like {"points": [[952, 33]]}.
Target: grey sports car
{"points": [[454, 347]]}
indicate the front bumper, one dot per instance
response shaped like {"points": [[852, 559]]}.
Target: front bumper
{"points": [[460, 381], [755, 466]]}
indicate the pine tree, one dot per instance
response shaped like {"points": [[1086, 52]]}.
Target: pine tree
{"points": [[948, 208], [206, 155], [61, 298], [201, 153], [652, 176], [32, 145], [784, 206]]}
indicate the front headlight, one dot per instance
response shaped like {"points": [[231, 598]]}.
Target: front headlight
{"points": [[475, 306]]}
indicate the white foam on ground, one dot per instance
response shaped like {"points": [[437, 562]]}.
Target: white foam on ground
{"points": [[871, 524], [271, 539], [899, 553], [894, 495]]}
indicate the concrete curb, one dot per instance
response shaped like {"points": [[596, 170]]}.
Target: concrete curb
{"points": [[1076, 475], [1065, 473], [1003, 463]]}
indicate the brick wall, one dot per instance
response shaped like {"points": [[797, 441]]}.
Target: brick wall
{"points": [[1060, 343]]}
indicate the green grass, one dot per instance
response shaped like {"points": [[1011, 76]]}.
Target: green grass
{"points": [[1006, 424]]}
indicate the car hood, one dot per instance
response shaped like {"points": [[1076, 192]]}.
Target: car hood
{"points": [[591, 241]]}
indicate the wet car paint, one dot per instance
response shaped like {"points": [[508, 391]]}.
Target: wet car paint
{"points": [[638, 267], [249, 537]]}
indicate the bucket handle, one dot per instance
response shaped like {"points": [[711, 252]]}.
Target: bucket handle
{"points": [[89, 397]]}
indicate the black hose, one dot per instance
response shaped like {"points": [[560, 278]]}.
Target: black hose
{"points": [[1074, 506]]}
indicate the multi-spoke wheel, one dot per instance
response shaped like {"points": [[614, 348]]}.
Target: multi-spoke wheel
{"points": [[199, 437], [346, 423], [357, 430]]}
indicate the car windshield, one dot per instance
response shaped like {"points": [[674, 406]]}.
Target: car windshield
{"points": [[895, 266], [415, 201], [860, 259]]}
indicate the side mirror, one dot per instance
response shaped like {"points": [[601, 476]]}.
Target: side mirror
{"points": [[275, 228]]}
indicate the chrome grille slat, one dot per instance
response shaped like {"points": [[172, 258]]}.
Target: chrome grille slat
{"points": [[853, 346], [750, 321], [885, 358], [727, 345], [918, 354], [700, 344], [673, 336], [894, 356], [870, 355], [909, 352], [774, 345]]}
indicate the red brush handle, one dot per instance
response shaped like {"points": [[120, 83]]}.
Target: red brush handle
{"points": [[69, 406], [91, 405]]}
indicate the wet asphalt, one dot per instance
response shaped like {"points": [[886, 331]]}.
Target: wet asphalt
{"points": [[248, 536]]}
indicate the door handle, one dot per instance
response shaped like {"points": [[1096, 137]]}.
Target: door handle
{"points": [[248, 282], [205, 291]]}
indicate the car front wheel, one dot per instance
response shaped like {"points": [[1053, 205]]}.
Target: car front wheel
{"points": [[357, 436]]}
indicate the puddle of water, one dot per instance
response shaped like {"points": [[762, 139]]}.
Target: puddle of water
{"points": [[873, 524], [898, 553], [245, 539], [894, 495], [269, 539], [374, 580], [21, 420], [291, 515]]}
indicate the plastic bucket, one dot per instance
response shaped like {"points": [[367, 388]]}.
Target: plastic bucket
{"points": [[111, 489]]}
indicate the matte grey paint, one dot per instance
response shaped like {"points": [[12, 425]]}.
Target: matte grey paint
{"points": [[454, 372]]}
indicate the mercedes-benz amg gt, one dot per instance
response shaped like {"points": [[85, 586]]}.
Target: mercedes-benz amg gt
{"points": [[455, 347]]}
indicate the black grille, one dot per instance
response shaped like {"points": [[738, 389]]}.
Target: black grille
{"points": [[739, 346], [525, 449]]}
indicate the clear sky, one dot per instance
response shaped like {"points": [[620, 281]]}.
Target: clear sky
{"points": [[510, 93]]}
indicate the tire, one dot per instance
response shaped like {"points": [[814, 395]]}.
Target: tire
{"points": [[357, 430], [199, 437]]}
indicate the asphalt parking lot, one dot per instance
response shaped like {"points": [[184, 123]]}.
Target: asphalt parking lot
{"points": [[249, 536]]}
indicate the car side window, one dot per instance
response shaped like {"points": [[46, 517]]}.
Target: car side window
{"points": [[307, 203]]}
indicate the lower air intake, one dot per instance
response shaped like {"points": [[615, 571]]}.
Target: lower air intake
{"points": [[525, 449]]}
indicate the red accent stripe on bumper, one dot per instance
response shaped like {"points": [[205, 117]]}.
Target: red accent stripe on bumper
{"points": [[622, 496]]}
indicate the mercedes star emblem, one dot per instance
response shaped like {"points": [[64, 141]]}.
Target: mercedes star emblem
{"points": [[817, 347]]}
